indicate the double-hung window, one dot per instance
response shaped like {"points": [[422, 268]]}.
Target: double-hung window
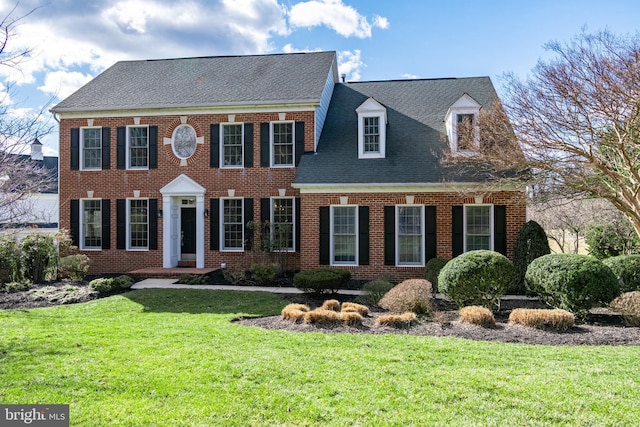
{"points": [[138, 224], [371, 135], [282, 144], [282, 224], [138, 147], [91, 237], [410, 235], [91, 140], [344, 235], [232, 225], [478, 227], [372, 125], [466, 131], [232, 142]]}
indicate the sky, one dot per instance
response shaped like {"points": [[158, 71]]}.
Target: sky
{"points": [[72, 41]]}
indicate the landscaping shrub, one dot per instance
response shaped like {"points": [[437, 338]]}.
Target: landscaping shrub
{"points": [[531, 243], [294, 312], [363, 310], [540, 318], [432, 270], [66, 294], [627, 270], [629, 305], [74, 267], [11, 260], [234, 276], [613, 239], [18, 286], [572, 282], [477, 278], [320, 316], [403, 320], [265, 274], [411, 295], [321, 280], [331, 304], [193, 279], [111, 284], [351, 318], [477, 315], [377, 289], [40, 257]]}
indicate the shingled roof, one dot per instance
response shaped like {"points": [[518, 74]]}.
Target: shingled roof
{"points": [[415, 137], [205, 82]]}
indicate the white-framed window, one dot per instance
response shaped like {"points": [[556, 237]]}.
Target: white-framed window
{"points": [[137, 224], [282, 144], [91, 148], [462, 124], [137, 147], [410, 235], [344, 235], [372, 133], [231, 149], [91, 220], [478, 227], [283, 223], [232, 224]]}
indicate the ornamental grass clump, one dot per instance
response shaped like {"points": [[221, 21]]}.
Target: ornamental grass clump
{"points": [[629, 305], [411, 295], [331, 304], [294, 312], [321, 316], [353, 307], [351, 318], [403, 320], [477, 315], [543, 318]]}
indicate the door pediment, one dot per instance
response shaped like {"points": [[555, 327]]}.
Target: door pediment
{"points": [[183, 186]]}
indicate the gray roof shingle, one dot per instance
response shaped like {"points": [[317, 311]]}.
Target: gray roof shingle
{"points": [[203, 82], [415, 138]]}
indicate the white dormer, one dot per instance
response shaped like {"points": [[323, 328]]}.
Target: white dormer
{"points": [[372, 129], [463, 140]]}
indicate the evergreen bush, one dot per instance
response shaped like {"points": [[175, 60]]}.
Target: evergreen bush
{"points": [[531, 243], [627, 270], [74, 267], [377, 289], [432, 270], [321, 280]]}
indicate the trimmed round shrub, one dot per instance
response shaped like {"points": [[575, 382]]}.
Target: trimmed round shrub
{"points": [[432, 270], [411, 295], [321, 280], [111, 284], [265, 274], [477, 278], [572, 282], [627, 270], [531, 243], [377, 289]]}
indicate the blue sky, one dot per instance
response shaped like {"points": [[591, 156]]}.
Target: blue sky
{"points": [[74, 40]]}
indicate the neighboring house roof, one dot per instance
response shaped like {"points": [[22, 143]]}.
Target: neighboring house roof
{"points": [[50, 164], [415, 133], [205, 82]]}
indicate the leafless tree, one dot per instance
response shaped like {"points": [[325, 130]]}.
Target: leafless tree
{"points": [[19, 176]]}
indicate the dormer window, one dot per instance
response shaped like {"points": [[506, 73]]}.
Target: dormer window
{"points": [[372, 123], [461, 122]]}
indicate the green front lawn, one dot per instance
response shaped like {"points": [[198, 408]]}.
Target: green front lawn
{"points": [[172, 357]]}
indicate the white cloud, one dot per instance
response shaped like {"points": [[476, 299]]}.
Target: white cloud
{"points": [[343, 19], [349, 63], [410, 76], [380, 22], [63, 83], [288, 48]]}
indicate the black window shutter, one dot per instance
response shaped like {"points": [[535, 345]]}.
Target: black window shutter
{"points": [[430, 244], [214, 155], [106, 224], [106, 148], [265, 139], [265, 210], [248, 145], [363, 235], [214, 224], [299, 148], [153, 147], [248, 220], [75, 149], [153, 224], [389, 235], [121, 152], [325, 236], [121, 224], [457, 230], [500, 229], [298, 224], [74, 226]]}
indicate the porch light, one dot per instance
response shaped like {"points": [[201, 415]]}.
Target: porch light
{"points": [[206, 213]]}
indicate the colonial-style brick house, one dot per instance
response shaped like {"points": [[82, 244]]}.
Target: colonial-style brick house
{"points": [[165, 162]]}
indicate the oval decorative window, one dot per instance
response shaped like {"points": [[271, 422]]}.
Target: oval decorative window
{"points": [[183, 141]]}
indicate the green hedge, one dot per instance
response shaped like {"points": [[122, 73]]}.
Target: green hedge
{"points": [[432, 270], [572, 282], [627, 270], [321, 280], [111, 284]]}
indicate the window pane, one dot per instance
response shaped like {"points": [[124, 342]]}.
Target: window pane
{"points": [[91, 224], [344, 234], [138, 147], [232, 145], [138, 224], [371, 135], [410, 235], [283, 144], [465, 131], [282, 224], [232, 224], [91, 148], [478, 227]]}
